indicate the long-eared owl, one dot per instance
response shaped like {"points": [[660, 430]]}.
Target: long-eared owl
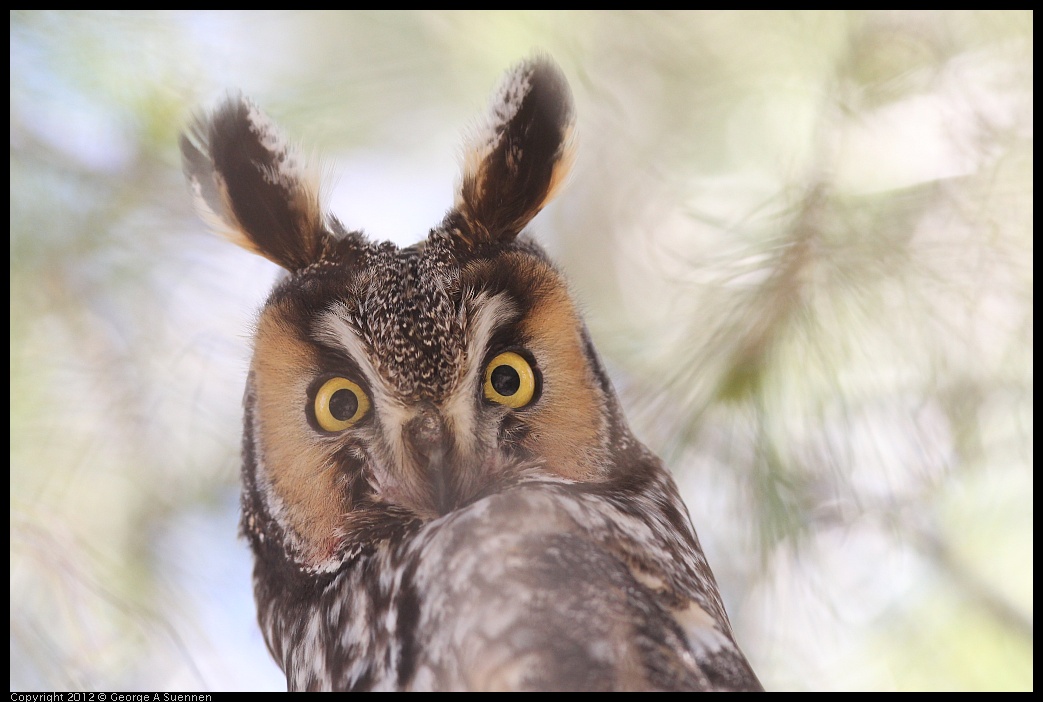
{"points": [[440, 489]]}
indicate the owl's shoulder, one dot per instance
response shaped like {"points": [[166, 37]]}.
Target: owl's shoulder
{"points": [[552, 585]]}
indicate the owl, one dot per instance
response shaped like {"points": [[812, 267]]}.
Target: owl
{"points": [[439, 487]]}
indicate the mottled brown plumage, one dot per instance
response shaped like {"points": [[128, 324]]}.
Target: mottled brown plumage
{"points": [[439, 487]]}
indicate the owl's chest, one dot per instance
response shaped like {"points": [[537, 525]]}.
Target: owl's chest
{"points": [[529, 589]]}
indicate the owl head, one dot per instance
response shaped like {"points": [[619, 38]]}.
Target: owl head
{"points": [[411, 379]]}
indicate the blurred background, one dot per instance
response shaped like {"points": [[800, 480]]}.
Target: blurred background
{"points": [[802, 242]]}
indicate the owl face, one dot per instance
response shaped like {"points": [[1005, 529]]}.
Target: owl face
{"points": [[420, 378], [414, 379]]}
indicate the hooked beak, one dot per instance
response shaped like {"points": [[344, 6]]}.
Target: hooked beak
{"points": [[430, 443]]}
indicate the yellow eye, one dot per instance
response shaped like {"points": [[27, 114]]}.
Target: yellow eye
{"points": [[510, 380], [339, 404]]}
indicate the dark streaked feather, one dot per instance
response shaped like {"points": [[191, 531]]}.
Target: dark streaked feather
{"points": [[513, 165], [252, 187]]}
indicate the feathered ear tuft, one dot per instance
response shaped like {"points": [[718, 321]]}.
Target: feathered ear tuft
{"points": [[514, 164], [252, 187]]}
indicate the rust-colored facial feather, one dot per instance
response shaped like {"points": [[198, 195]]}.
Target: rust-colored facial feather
{"points": [[302, 474]]}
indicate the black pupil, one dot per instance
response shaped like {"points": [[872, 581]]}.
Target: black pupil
{"points": [[343, 405], [505, 380]]}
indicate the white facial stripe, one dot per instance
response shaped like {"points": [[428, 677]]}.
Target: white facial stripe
{"points": [[493, 312], [336, 331]]}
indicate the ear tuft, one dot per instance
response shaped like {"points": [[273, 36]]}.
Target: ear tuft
{"points": [[251, 186], [514, 164]]}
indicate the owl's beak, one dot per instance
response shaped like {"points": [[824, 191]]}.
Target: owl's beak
{"points": [[430, 442]]}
